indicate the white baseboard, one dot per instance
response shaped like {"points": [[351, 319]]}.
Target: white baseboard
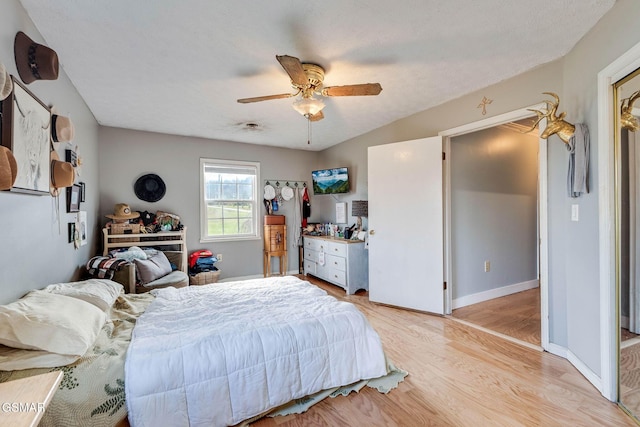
{"points": [[594, 379], [584, 370], [557, 350], [494, 293]]}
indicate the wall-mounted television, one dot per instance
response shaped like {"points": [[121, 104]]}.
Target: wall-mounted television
{"points": [[330, 181]]}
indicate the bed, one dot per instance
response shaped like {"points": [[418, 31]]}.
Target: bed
{"points": [[239, 351]]}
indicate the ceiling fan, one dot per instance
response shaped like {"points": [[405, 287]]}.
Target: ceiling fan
{"points": [[307, 81]]}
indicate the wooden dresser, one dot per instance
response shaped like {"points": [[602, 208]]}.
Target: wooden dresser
{"points": [[275, 243]]}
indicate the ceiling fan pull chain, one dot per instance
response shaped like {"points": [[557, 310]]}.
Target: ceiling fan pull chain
{"points": [[308, 130]]}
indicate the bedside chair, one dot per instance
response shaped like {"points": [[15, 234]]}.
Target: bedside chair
{"points": [[130, 275]]}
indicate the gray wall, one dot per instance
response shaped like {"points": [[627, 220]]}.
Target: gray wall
{"points": [[574, 294], [125, 155], [494, 188], [33, 250]]}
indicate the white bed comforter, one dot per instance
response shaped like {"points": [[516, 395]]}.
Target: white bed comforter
{"points": [[216, 355]]}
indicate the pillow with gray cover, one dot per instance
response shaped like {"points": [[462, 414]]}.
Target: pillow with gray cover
{"points": [[152, 268]]}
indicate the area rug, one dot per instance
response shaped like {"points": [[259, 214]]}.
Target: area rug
{"points": [[383, 384]]}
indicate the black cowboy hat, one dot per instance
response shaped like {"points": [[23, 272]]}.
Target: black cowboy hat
{"points": [[150, 188]]}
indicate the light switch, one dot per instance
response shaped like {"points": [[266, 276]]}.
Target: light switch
{"points": [[575, 212]]}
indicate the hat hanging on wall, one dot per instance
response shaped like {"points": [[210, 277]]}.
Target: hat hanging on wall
{"points": [[62, 129], [150, 188], [62, 175], [8, 168], [123, 211], [6, 84], [34, 60]]}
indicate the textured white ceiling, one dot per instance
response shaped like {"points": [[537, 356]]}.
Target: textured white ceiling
{"points": [[177, 67]]}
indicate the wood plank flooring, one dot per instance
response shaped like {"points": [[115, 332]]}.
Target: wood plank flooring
{"points": [[516, 315], [459, 376]]}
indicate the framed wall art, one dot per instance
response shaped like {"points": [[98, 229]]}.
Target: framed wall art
{"points": [[73, 198], [26, 130]]}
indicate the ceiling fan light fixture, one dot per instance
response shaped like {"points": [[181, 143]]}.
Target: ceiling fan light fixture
{"points": [[308, 106]]}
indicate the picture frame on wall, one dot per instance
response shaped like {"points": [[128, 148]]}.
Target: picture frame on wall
{"points": [[83, 190], [26, 131], [73, 198]]}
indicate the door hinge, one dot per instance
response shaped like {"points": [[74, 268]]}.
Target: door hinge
{"points": [[444, 156], [445, 286]]}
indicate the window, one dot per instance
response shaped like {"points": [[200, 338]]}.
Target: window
{"points": [[229, 200]]}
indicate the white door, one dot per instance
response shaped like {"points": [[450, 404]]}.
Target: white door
{"points": [[406, 224]]}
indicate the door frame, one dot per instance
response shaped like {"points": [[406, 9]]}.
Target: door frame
{"points": [[543, 250], [616, 70]]}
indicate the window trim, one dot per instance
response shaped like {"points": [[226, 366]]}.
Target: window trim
{"points": [[203, 205]]}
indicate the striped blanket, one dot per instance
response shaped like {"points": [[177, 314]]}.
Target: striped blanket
{"points": [[104, 267]]}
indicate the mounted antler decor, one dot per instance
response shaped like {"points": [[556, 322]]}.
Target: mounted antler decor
{"points": [[555, 123], [627, 119]]}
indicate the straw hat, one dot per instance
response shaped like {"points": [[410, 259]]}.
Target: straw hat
{"points": [[8, 168], [62, 129], [6, 84], [34, 60], [122, 211], [62, 175]]}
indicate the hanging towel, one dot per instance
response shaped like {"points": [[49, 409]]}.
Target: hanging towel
{"points": [[297, 214], [578, 174]]}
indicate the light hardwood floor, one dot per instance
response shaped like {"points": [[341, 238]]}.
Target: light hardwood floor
{"points": [[516, 315], [459, 376]]}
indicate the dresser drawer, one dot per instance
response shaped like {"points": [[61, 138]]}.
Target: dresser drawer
{"points": [[338, 249], [336, 276], [309, 267], [336, 262], [313, 244], [310, 255], [316, 244]]}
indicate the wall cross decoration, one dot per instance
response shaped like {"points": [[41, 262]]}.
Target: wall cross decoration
{"points": [[483, 104]]}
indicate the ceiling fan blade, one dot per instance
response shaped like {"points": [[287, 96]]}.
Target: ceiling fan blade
{"points": [[317, 116], [265, 98], [293, 67], [353, 90]]}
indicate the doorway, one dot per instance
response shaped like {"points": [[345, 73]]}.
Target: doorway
{"points": [[494, 229], [496, 251]]}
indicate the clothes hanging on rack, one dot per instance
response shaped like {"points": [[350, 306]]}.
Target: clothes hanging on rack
{"points": [[306, 206], [578, 174]]}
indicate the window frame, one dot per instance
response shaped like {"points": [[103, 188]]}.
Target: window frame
{"points": [[204, 219]]}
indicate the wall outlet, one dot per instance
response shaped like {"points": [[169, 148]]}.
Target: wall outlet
{"points": [[219, 256], [487, 266]]}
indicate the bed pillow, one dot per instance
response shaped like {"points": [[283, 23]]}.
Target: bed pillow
{"points": [[50, 322], [153, 268], [15, 359], [100, 292]]}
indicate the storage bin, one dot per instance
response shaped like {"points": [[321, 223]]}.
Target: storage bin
{"points": [[204, 278], [125, 228]]}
